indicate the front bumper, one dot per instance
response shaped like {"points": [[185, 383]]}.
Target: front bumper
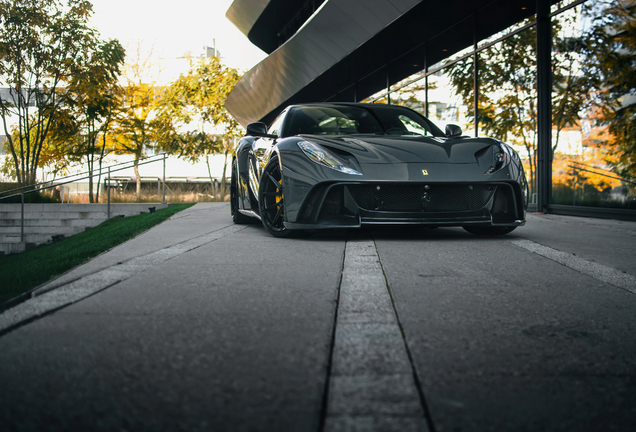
{"points": [[354, 204]]}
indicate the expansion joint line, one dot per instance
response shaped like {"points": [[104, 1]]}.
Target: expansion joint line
{"points": [[416, 378], [371, 379], [325, 393]]}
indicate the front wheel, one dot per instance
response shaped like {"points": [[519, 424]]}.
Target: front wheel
{"points": [[489, 230], [271, 199]]}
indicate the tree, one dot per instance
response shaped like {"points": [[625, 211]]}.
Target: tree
{"points": [[42, 43], [200, 96], [610, 60], [593, 75], [507, 107], [92, 96], [137, 127], [507, 90], [59, 150]]}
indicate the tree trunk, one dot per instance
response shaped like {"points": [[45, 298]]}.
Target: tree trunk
{"points": [[91, 164], [138, 180], [223, 177], [101, 161], [207, 163]]}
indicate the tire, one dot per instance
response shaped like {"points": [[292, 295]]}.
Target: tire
{"points": [[271, 200], [489, 230], [237, 217]]}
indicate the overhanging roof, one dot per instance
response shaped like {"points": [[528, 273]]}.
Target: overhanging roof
{"points": [[351, 49]]}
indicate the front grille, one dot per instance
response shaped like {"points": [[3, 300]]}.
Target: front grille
{"points": [[421, 197]]}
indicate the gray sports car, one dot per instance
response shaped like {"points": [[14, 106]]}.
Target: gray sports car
{"points": [[344, 165]]}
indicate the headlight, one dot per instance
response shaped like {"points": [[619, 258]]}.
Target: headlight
{"points": [[324, 157], [501, 158]]}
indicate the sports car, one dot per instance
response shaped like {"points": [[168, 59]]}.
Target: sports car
{"points": [[347, 165]]}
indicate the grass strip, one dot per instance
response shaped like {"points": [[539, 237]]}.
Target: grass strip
{"points": [[24, 271]]}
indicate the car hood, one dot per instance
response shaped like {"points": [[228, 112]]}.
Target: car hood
{"points": [[399, 149]]}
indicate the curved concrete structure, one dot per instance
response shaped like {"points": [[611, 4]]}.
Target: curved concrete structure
{"points": [[335, 31], [350, 49], [245, 13]]}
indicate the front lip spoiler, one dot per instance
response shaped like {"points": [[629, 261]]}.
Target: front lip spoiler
{"points": [[403, 221], [250, 213]]}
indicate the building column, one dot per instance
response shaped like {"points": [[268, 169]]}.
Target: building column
{"points": [[425, 81], [476, 79], [544, 106], [388, 83]]}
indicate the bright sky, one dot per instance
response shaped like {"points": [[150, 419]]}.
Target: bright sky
{"points": [[173, 28], [176, 27]]}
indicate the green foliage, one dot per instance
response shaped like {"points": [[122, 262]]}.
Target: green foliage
{"points": [[42, 45], [16, 270], [136, 127], [507, 90], [611, 61], [198, 98], [91, 99], [594, 73]]}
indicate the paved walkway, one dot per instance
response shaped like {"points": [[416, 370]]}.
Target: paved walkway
{"points": [[200, 324]]}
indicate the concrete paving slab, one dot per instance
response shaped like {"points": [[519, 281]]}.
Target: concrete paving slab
{"points": [[210, 326], [193, 222], [232, 333], [605, 241], [504, 339]]}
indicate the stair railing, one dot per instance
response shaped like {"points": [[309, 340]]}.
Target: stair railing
{"points": [[22, 191]]}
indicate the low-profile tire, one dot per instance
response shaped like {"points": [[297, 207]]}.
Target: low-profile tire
{"points": [[237, 217], [489, 230], [271, 200]]}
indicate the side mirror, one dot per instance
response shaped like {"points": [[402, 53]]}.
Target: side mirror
{"points": [[258, 129], [453, 130]]}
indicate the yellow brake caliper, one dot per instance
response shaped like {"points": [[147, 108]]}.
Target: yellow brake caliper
{"points": [[279, 197]]}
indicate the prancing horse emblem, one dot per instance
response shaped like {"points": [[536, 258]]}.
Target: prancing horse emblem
{"points": [[424, 172]]}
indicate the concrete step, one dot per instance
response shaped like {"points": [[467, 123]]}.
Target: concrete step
{"points": [[116, 209], [28, 238], [8, 223], [43, 221], [46, 232], [54, 215]]}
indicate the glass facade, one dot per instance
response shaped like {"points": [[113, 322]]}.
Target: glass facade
{"points": [[593, 99], [587, 134]]}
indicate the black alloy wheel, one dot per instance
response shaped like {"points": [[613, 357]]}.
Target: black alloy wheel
{"points": [[271, 200], [489, 230], [237, 216]]}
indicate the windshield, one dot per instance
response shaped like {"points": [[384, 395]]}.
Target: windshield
{"points": [[350, 120]]}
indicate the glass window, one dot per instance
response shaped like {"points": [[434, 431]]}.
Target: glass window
{"points": [[412, 126], [592, 154], [347, 120], [332, 120], [274, 129]]}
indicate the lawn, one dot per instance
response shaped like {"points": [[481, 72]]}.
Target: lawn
{"points": [[24, 271]]}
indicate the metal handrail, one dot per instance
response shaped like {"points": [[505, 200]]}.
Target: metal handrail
{"points": [[29, 189]]}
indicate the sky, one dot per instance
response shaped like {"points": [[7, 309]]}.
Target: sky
{"points": [[175, 27], [172, 29]]}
